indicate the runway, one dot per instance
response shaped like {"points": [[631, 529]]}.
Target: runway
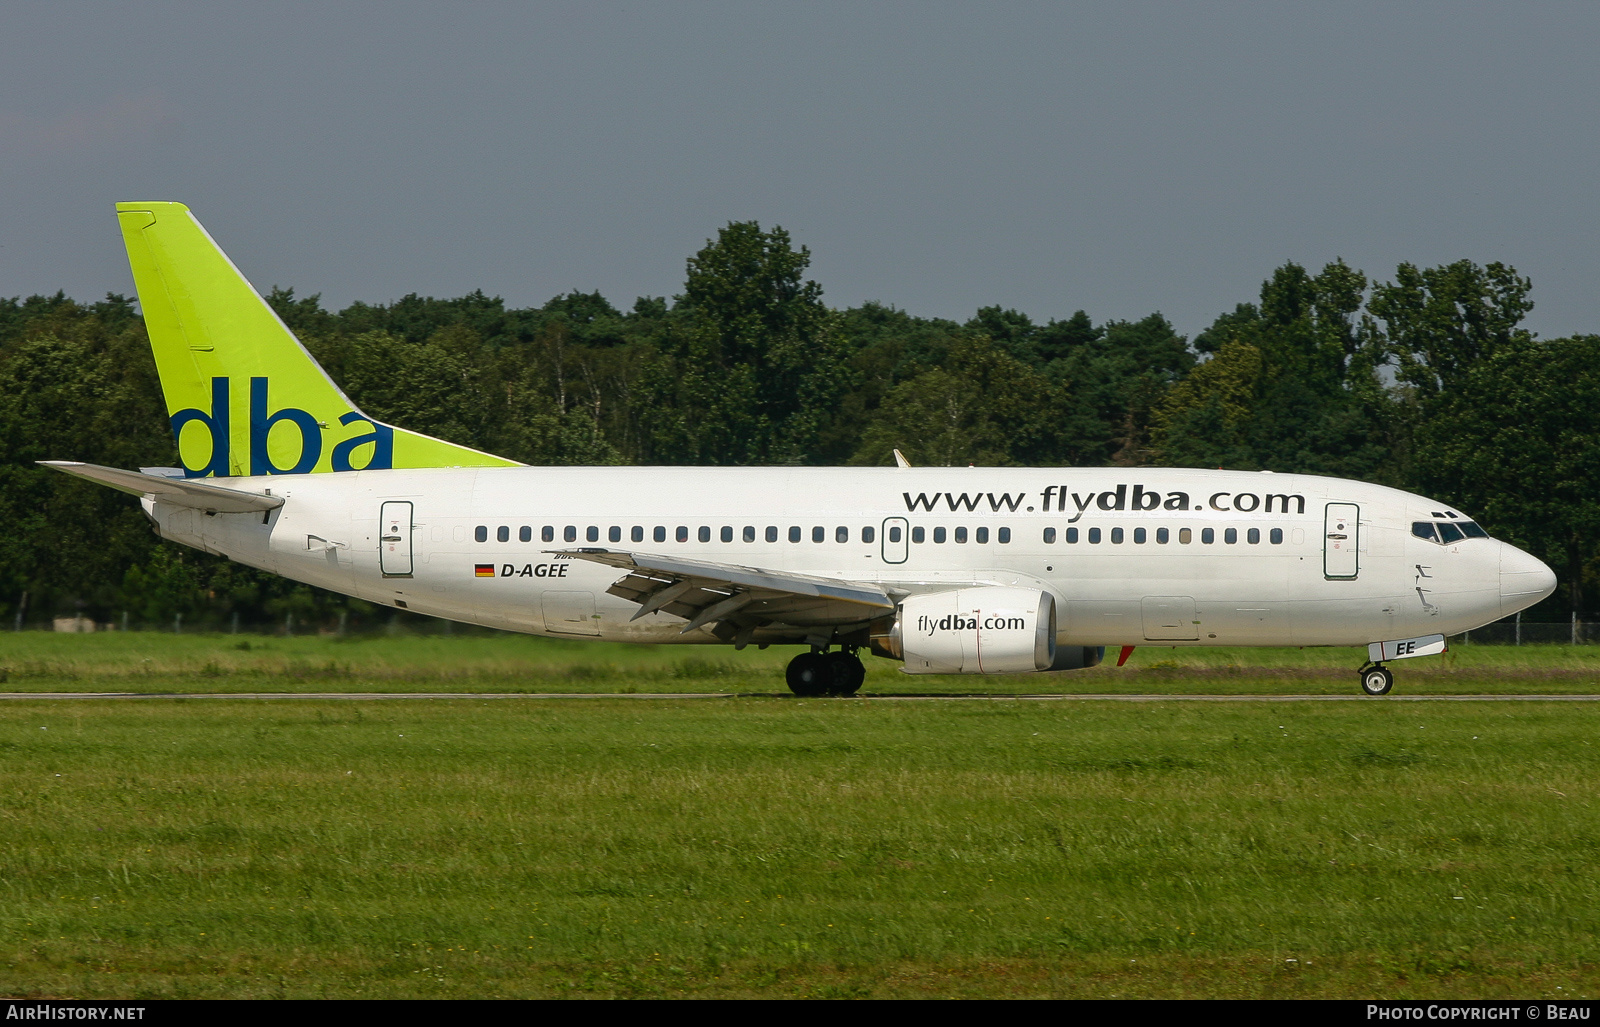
{"points": [[1019, 697]]}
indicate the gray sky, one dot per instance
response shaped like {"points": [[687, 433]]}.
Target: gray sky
{"points": [[1119, 157]]}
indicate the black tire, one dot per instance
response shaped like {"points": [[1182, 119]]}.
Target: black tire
{"points": [[845, 673], [1377, 681], [808, 674]]}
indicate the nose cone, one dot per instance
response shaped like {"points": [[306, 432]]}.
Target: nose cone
{"points": [[1524, 580]]}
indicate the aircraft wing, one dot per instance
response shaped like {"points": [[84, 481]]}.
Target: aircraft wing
{"points": [[738, 599], [176, 491]]}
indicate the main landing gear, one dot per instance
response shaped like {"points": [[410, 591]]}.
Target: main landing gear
{"points": [[819, 673], [1376, 679]]}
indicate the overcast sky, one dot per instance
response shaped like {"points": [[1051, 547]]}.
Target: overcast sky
{"points": [[1117, 157]]}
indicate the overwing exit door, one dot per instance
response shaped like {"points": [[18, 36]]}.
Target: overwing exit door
{"points": [[1341, 538], [394, 539], [896, 544]]}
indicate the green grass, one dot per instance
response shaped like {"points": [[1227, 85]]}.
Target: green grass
{"points": [[152, 662], [780, 847]]}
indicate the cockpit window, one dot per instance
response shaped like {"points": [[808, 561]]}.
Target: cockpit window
{"points": [[1446, 532]]}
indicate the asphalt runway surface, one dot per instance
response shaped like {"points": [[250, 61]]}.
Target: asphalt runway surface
{"points": [[908, 697]]}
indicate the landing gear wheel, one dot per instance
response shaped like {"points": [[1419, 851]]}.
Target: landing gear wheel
{"points": [[809, 674], [844, 672], [1377, 680]]}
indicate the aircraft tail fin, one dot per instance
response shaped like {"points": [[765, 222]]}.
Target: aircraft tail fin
{"points": [[244, 396]]}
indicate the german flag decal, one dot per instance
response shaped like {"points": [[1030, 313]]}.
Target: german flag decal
{"points": [[483, 570]]}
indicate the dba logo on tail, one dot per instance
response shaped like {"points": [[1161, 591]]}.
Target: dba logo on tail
{"points": [[298, 443]]}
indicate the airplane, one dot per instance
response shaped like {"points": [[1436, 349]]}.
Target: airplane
{"points": [[949, 570]]}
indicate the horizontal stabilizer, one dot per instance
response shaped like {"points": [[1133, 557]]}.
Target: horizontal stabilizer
{"points": [[176, 491]]}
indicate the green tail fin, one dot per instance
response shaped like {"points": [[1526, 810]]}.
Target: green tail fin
{"points": [[244, 396]]}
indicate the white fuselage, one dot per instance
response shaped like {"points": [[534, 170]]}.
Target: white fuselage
{"points": [[1293, 573]]}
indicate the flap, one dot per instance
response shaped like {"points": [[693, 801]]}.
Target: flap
{"points": [[703, 592]]}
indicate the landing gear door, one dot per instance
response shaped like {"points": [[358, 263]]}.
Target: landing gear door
{"points": [[896, 543], [1341, 538], [394, 540]]}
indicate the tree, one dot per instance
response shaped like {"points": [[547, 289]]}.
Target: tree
{"points": [[983, 407], [754, 365], [1291, 385], [1010, 329], [1442, 320], [1516, 442], [1118, 379]]}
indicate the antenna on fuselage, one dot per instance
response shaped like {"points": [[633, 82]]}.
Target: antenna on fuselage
{"points": [[900, 459]]}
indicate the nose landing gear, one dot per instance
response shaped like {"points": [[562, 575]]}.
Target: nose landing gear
{"points": [[1376, 679], [817, 673]]}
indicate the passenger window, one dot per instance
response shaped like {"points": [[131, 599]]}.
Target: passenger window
{"points": [[569, 533], [1231, 536], [704, 533], [592, 534], [982, 536], [1163, 536], [938, 536], [819, 534], [502, 534], [1004, 536], [749, 532], [637, 533], [547, 534], [1449, 533], [660, 534], [1116, 536], [867, 535], [772, 533], [1277, 536], [524, 534], [1253, 536], [481, 533], [919, 535], [614, 534], [794, 533], [1094, 536], [1423, 529], [1208, 536], [727, 533], [841, 534], [1472, 530], [1185, 536], [894, 534], [1138, 536], [1049, 536], [961, 535], [682, 534], [1072, 536]]}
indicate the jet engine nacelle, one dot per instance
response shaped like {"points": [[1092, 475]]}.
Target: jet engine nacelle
{"points": [[993, 630]]}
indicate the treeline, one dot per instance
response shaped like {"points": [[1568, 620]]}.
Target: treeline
{"points": [[1426, 382]]}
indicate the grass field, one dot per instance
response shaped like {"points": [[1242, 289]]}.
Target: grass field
{"points": [[157, 662], [759, 846]]}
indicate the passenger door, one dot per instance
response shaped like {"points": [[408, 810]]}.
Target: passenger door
{"points": [[394, 539], [1341, 539]]}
